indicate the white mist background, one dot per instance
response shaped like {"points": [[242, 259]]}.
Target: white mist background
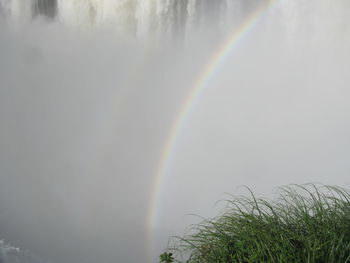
{"points": [[85, 113]]}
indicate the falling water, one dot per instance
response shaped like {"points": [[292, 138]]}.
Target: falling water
{"points": [[139, 17]]}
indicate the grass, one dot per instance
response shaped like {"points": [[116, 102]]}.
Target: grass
{"points": [[305, 224]]}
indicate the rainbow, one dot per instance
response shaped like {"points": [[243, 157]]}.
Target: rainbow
{"points": [[202, 82]]}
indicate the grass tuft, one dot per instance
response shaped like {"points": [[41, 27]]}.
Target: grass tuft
{"points": [[306, 223]]}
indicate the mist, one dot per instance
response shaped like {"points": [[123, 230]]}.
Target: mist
{"points": [[87, 105]]}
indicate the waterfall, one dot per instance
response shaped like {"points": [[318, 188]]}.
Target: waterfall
{"points": [[17, 10], [46, 8], [166, 17], [23, 11], [139, 17]]}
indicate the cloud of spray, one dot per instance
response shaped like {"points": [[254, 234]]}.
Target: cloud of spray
{"points": [[84, 117], [275, 114]]}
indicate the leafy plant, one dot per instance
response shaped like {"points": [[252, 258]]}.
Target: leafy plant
{"points": [[305, 223], [166, 257]]}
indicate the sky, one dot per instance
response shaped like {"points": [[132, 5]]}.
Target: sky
{"points": [[86, 113]]}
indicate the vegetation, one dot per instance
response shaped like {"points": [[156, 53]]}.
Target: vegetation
{"points": [[305, 224], [166, 258]]}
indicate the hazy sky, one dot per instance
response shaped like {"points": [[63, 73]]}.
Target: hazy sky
{"points": [[85, 114]]}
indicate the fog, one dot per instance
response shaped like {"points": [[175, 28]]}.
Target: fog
{"points": [[87, 107]]}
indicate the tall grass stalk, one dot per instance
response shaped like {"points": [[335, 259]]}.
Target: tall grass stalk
{"points": [[305, 224]]}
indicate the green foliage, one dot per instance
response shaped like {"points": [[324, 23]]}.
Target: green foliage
{"points": [[166, 257], [305, 224]]}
